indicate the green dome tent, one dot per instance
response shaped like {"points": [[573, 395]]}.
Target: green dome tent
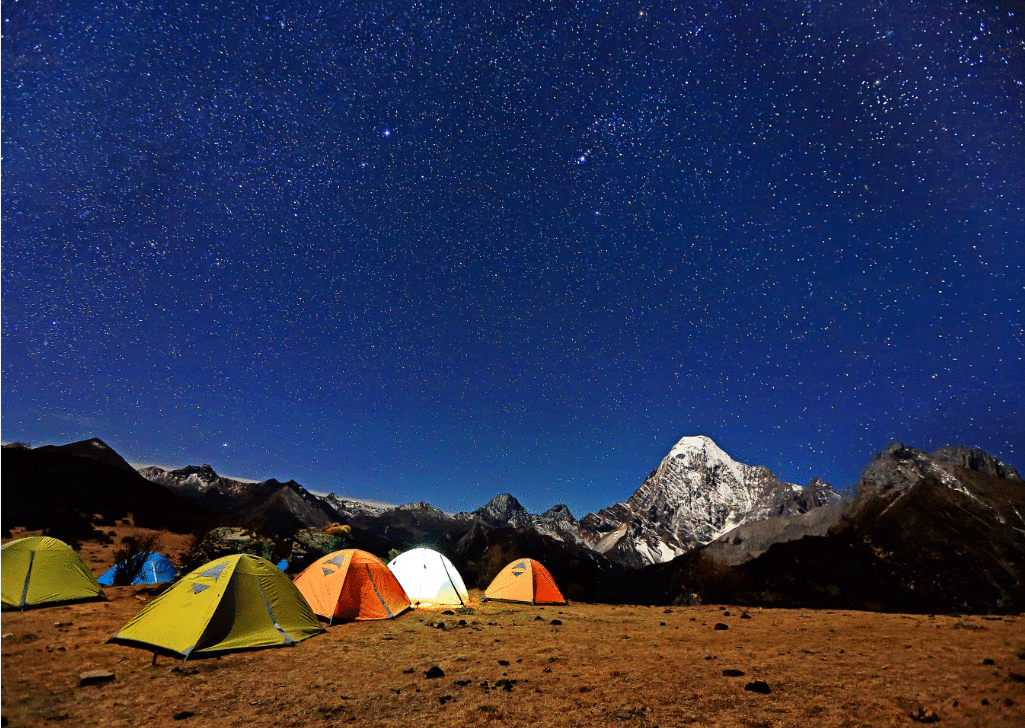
{"points": [[238, 602], [42, 571]]}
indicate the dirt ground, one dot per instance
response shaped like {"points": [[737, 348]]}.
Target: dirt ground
{"points": [[512, 665]]}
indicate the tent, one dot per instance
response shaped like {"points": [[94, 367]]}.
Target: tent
{"points": [[41, 571], [525, 581], [428, 577], [149, 568], [351, 584], [236, 602]]}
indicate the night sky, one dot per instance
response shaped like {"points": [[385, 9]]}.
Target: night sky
{"points": [[439, 251]]}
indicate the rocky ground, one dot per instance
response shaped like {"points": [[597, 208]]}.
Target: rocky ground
{"points": [[499, 664]]}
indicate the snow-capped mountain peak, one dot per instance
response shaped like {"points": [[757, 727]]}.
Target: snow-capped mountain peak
{"points": [[699, 450], [696, 494]]}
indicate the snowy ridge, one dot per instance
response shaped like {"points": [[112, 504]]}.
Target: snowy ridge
{"points": [[197, 478], [349, 507]]}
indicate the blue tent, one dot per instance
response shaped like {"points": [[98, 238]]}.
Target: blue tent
{"points": [[156, 569]]}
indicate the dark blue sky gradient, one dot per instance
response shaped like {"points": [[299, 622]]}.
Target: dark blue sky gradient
{"points": [[440, 251]]}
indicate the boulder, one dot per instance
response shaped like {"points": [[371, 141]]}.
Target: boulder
{"points": [[226, 541], [310, 544]]}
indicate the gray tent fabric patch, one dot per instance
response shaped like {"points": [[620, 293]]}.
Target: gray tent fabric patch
{"points": [[215, 572]]}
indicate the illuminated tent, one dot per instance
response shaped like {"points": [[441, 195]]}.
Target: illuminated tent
{"points": [[42, 571], [428, 577], [351, 585], [148, 568], [525, 581], [237, 602]]}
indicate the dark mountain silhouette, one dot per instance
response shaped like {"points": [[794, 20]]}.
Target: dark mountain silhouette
{"points": [[271, 507], [62, 488]]}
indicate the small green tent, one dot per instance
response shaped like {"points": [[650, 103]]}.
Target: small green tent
{"points": [[41, 571], [238, 602]]}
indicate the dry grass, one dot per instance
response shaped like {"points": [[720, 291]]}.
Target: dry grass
{"points": [[603, 666]]}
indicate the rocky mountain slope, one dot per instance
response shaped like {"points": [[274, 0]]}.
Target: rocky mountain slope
{"points": [[504, 511], [695, 495], [752, 539], [279, 509], [925, 533]]}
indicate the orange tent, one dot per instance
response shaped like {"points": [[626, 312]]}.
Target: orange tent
{"points": [[525, 581], [352, 584]]}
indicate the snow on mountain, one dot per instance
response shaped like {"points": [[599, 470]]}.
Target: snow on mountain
{"points": [[193, 478], [349, 507], [695, 495]]}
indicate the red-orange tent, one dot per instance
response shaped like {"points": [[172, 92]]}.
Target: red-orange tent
{"points": [[525, 581], [352, 584]]}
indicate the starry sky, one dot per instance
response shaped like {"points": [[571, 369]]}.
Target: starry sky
{"points": [[442, 250]]}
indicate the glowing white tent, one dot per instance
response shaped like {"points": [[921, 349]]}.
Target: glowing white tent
{"points": [[428, 578]]}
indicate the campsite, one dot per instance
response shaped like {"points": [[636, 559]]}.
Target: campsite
{"points": [[499, 663]]}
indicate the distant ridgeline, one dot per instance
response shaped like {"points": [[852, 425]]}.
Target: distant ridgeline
{"points": [[939, 532]]}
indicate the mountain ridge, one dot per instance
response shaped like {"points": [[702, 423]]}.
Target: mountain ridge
{"points": [[939, 532], [695, 495], [925, 532]]}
